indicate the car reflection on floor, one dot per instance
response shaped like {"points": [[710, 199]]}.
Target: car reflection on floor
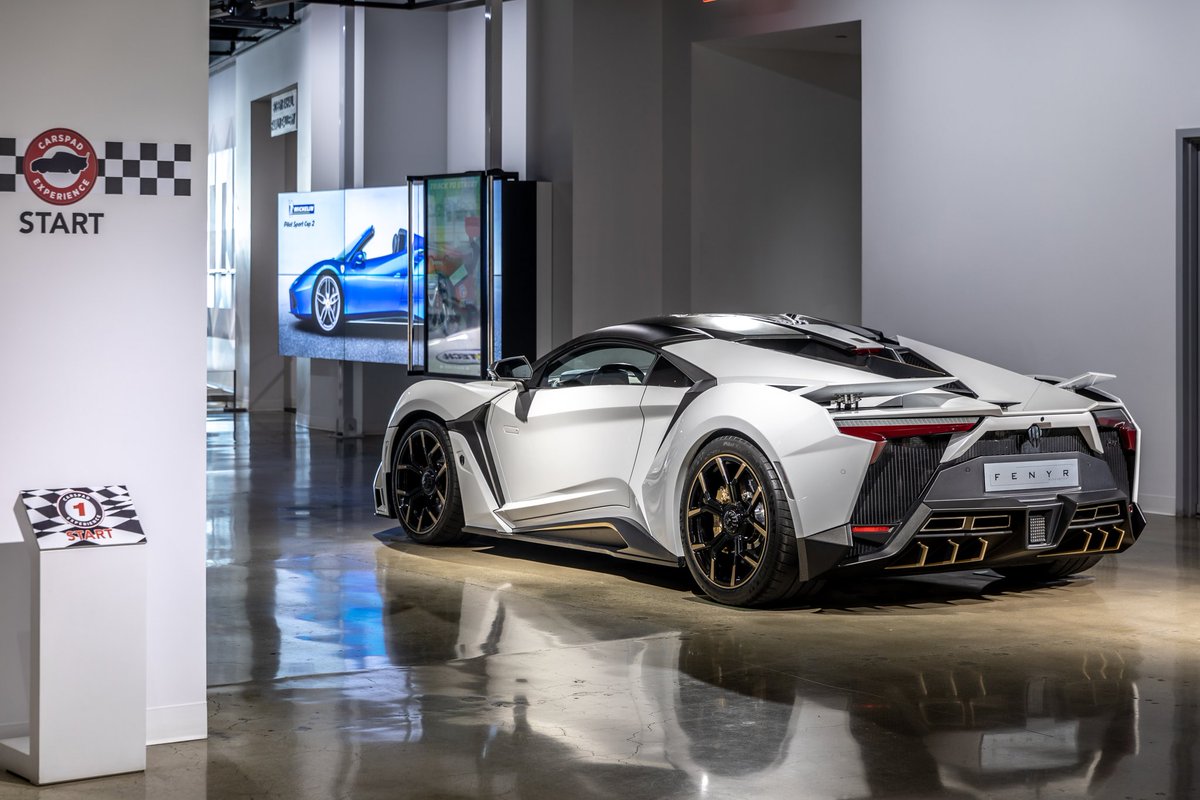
{"points": [[699, 713]]}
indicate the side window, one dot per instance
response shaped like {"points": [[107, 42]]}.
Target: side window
{"points": [[599, 365], [667, 374]]}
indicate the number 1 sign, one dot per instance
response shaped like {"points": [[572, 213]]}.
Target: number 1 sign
{"points": [[82, 517]]}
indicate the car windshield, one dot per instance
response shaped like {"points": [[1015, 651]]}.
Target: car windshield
{"points": [[357, 244]]}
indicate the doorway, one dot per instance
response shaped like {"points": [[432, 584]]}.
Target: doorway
{"points": [[1188, 323]]}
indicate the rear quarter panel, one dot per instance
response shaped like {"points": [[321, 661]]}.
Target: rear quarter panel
{"points": [[822, 469]]}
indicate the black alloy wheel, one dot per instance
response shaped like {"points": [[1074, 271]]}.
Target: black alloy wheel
{"points": [[425, 494], [738, 538]]}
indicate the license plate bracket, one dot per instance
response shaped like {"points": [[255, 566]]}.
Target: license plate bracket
{"points": [[1017, 476]]}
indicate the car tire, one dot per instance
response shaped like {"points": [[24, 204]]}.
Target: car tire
{"points": [[425, 495], [1049, 571], [732, 486], [328, 304]]}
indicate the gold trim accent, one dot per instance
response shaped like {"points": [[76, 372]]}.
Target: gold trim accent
{"points": [[956, 547], [571, 527], [958, 523], [1087, 548]]}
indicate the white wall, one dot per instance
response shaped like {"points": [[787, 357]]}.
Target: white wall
{"points": [[776, 197], [104, 333]]}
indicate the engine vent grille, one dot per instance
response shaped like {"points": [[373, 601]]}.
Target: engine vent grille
{"points": [[1014, 443], [1116, 459], [896, 480]]}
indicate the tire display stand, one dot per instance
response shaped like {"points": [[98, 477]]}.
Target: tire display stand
{"points": [[87, 678]]}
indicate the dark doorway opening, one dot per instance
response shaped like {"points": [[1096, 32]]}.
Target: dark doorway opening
{"points": [[1188, 324]]}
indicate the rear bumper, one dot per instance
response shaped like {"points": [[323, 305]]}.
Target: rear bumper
{"points": [[940, 538], [956, 524]]}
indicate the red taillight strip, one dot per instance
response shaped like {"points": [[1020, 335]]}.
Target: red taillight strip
{"points": [[870, 528], [882, 429]]}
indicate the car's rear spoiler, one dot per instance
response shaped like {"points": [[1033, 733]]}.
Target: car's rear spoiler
{"points": [[840, 391]]}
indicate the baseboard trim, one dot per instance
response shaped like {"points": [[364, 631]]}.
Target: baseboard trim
{"points": [[14, 730], [1157, 504], [181, 723]]}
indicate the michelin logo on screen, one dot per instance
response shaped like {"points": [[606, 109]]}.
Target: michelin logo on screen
{"points": [[298, 210]]}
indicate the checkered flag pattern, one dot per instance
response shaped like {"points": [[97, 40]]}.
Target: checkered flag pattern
{"points": [[10, 165], [132, 168], [119, 520], [146, 169]]}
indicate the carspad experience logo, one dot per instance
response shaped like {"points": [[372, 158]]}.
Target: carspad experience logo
{"points": [[61, 166]]}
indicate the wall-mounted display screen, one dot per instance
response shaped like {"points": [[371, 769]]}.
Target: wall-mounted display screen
{"points": [[454, 282], [343, 274]]}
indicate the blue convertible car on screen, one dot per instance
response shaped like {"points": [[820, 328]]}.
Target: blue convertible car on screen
{"points": [[351, 286]]}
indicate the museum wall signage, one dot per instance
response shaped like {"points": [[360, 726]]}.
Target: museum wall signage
{"points": [[82, 517], [61, 167], [284, 113]]}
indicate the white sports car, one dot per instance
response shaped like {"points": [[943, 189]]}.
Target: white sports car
{"points": [[768, 452]]}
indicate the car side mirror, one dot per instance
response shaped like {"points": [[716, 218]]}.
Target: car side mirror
{"points": [[514, 368], [359, 260]]}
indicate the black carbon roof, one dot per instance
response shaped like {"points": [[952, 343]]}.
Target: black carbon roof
{"points": [[681, 327]]}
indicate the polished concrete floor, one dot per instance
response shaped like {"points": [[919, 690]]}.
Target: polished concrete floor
{"points": [[347, 662]]}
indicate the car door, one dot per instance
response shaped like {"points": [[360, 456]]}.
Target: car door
{"points": [[569, 443], [378, 285]]}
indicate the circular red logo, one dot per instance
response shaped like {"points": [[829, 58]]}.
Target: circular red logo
{"points": [[60, 166]]}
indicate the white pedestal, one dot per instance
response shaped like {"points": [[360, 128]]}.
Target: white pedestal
{"points": [[87, 703]]}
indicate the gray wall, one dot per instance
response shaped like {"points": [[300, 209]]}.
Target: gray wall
{"points": [[405, 91], [1018, 176], [776, 188], [617, 162], [550, 128]]}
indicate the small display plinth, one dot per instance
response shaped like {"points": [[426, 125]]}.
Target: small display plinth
{"points": [[87, 606]]}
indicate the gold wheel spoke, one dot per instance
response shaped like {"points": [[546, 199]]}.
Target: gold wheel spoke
{"points": [[724, 476], [753, 564], [441, 471], [761, 530], [700, 477], [694, 511], [700, 546], [741, 469]]}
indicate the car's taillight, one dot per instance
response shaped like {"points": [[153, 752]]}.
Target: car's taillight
{"points": [[1117, 420], [881, 431]]}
